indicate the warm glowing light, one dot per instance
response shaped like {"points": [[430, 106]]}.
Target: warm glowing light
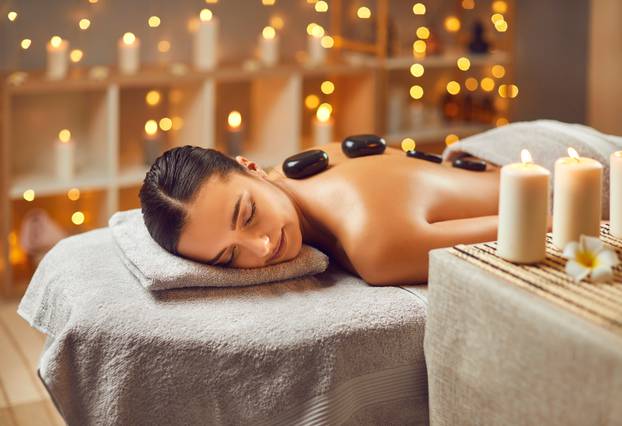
{"points": [[416, 92], [84, 24], [321, 6], [310, 28], [499, 6], [512, 90], [312, 101], [277, 22], [29, 195], [423, 33], [129, 38], [323, 112], [73, 194], [419, 9], [93, 1], [153, 21], [205, 15], [463, 63], [468, 4], [268, 2], [64, 135], [151, 127], [268, 33], [452, 24], [317, 31], [419, 46], [166, 124], [417, 70], [327, 42], [211, 1], [234, 119], [326, 105], [525, 157], [488, 84], [471, 84], [451, 138], [363, 12], [56, 41], [77, 218], [164, 46], [408, 144], [25, 44], [76, 55], [327, 87], [572, 153], [453, 87], [496, 17], [501, 26], [501, 121], [12, 16], [498, 71], [153, 97]]}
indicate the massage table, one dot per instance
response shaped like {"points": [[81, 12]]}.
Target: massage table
{"points": [[323, 349]]}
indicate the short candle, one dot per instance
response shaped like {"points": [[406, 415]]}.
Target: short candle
{"points": [[129, 53], [523, 211], [206, 41], [577, 198]]}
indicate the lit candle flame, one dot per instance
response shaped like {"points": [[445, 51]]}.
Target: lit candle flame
{"points": [[205, 15], [234, 119], [323, 113], [56, 41], [573, 153], [525, 157], [268, 33], [129, 38]]}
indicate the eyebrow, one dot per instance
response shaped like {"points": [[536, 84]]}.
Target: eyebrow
{"points": [[234, 220]]}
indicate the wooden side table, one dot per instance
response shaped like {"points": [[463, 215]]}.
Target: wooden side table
{"points": [[500, 352]]}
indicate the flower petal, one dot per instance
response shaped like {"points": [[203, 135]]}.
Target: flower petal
{"points": [[601, 273], [592, 244], [608, 258], [571, 249], [576, 270]]}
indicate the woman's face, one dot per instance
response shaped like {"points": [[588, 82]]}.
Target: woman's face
{"points": [[240, 222]]}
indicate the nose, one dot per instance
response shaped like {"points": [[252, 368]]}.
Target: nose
{"points": [[259, 245]]}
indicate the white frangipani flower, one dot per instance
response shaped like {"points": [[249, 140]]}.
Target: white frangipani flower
{"points": [[590, 257]]}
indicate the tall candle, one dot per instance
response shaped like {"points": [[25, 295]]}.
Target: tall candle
{"points": [[523, 211], [205, 41], [269, 46], [152, 147], [234, 133], [317, 53], [57, 58], [577, 198], [64, 149], [615, 196], [129, 54], [322, 126]]}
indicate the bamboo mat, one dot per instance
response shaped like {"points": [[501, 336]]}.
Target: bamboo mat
{"points": [[600, 303]]}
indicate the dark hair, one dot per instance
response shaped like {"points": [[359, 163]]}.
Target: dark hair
{"points": [[172, 182]]}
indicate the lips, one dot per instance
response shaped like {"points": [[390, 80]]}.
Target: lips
{"points": [[280, 248]]}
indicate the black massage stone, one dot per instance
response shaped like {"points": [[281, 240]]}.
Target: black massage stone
{"points": [[473, 165], [425, 156], [305, 164], [361, 145]]}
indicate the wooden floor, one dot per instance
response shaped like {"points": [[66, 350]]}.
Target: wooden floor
{"points": [[23, 398]]}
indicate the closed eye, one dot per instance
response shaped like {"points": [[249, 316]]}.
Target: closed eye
{"points": [[252, 215]]}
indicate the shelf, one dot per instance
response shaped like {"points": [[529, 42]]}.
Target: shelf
{"points": [[445, 60], [132, 176], [45, 185], [427, 135]]}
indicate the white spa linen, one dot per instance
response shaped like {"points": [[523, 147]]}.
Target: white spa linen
{"points": [[157, 269]]}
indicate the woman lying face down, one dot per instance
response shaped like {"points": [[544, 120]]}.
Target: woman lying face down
{"points": [[377, 216]]}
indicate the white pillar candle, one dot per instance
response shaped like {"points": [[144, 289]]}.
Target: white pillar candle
{"points": [[322, 126], [577, 198], [317, 54], [268, 47], [523, 211], [129, 54], [205, 41], [64, 148], [57, 58], [615, 194]]}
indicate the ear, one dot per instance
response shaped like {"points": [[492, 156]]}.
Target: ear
{"points": [[251, 165]]}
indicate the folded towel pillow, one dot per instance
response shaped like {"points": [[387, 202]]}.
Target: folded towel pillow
{"points": [[157, 269]]}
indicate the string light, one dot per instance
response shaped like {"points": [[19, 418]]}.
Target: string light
{"points": [[73, 194], [419, 9], [77, 218], [153, 98], [498, 71], [471, 84], [463, 63], [327, 87], [419, 46], [417, 70], [423, 33], [312, 101], [501, 26], [234, 119], [166, 124], [164, 46], [205, 15], [468, 4], [151, 127], [488, 84], [416, 92], [453, 87], [452, 24], [64, 135], [327, 42], [76, 55], [408, 144], [277, 22], [363, 12], [56, 41], [153, 21], [496, 17], [12, 15], [84, 24], [451, 138], [321, 6], [499, 6], [25, 43], [129, 38], [268, 33], [29, 195], [323, 112]]}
